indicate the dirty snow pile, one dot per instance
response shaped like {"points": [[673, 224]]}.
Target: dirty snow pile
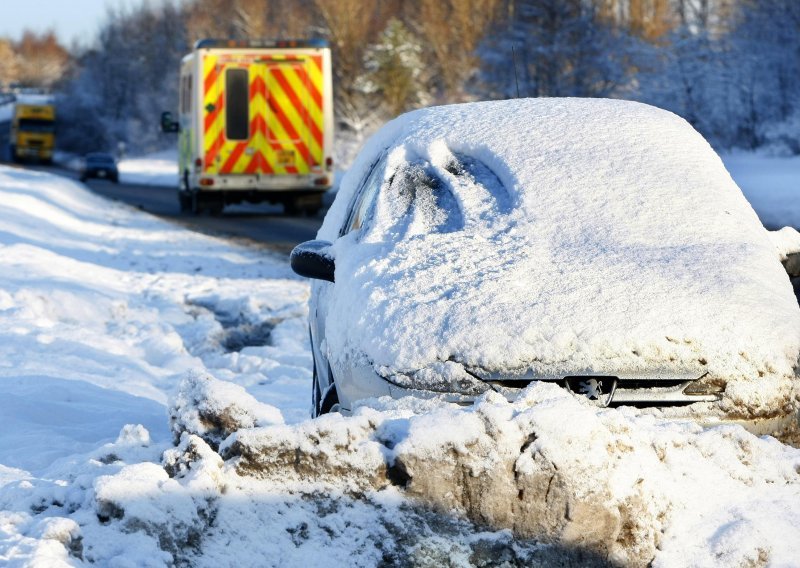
{"points": [[560, 237], [154, 387]]}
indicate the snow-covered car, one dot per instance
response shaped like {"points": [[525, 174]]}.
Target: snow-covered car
{"points": [[99, 165], [599, 244]]}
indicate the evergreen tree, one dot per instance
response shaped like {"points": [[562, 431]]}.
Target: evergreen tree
{"points": [[395, 70]]}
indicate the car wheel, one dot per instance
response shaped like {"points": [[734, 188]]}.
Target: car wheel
{"points": [[331, 401], [320, 405], [316, 394]]}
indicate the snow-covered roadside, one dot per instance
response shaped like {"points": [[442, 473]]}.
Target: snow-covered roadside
{"points": [[770, 184], [104, 310], [113, 322], [159, 169]]}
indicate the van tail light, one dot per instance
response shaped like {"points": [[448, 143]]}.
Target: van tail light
{"points": [[329, 163], [206, 182]]}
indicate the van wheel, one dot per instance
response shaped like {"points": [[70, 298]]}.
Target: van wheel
{"points": [[290, 208], [194, 205], [215, 205], [184, 201]]}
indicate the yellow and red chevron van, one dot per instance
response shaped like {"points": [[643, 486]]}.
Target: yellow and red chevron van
{"points": [[255, 123]]}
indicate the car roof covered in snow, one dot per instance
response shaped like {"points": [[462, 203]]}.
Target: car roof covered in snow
{"points": [[559, 236]]}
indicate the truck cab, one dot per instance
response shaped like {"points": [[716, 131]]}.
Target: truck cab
{"points": [[33, 132]]}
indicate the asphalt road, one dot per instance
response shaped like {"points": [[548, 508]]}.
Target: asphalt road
{"points": [[264, 225]]}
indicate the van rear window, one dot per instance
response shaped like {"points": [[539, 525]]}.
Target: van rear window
{"points": [[237, 107]]}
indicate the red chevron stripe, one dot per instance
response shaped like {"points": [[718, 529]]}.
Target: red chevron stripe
{"points": [[257, 87], [258, 124], [211, 78], [230, 163], [212, 116], [213, 150], [316, 96], [259, 164], [295, 101], [287, 126]]}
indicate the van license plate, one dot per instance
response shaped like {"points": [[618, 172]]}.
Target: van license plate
{"points": [[285, 157]]}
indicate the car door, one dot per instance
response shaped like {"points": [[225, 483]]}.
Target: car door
{"points": [[358, 213]]}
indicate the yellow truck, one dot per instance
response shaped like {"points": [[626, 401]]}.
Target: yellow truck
{"points": [[255, 123], [32, 134]]}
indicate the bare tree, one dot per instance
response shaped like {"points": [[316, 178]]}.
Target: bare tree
{"points": [[453, 30], [42, 60], [9, 65]]}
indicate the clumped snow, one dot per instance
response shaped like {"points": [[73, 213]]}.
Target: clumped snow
{"points": [[138, 433], [561, 236]]}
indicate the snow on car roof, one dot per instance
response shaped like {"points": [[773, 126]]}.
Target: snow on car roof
{"points": [[589, 235]]}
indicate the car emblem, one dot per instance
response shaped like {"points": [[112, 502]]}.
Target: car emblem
{"points": [[598, 389]]}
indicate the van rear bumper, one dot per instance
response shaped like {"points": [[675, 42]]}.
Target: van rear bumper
{"points": [[316, 183]]}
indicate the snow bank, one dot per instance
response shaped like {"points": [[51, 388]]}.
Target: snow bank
{"points": [[560, 237], [159, 169], [619, 487], [105, 310], [214, 410]]}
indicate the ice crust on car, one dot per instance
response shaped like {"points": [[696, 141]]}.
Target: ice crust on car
{"points": [[598, 235]]}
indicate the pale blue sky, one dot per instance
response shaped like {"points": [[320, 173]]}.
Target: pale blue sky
{"points": [[71, 19]]}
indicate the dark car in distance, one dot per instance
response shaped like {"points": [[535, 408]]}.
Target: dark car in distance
{"points": [[99, 165]]}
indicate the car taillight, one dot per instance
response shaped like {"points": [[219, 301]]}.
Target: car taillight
{"points": [[321, 181], [206, 182]]}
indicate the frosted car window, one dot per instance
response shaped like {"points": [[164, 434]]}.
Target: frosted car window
{"points": [[366, 197], [418, 193]]}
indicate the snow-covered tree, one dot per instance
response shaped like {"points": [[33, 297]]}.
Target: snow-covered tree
{"points": [[548, 48], [395, 69]]}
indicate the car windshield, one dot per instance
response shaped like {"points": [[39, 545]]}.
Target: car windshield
{"points": [[36, 125]]}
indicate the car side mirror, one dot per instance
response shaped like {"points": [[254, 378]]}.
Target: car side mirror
{"points": [[792, 264], [312, 259], [168, 125]]}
